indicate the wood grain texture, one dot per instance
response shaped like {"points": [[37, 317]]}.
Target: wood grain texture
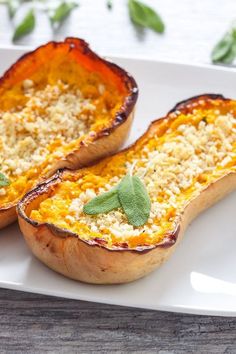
{"points": [[39, 324]]}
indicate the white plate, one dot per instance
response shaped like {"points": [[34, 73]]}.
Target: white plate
{"points": [[200, 277]]}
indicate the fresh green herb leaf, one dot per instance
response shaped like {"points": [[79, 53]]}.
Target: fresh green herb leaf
{"points": [[130, 195], [134, 200], [222, 48], [26, 26], [4, 181], [225, 50], [229, 58], [103, 203], [109, 4], [13, 6], [62, 12], [144, 16]]}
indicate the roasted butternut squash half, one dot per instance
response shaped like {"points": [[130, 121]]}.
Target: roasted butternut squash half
{"points": [[186, 161], [60, 106]]}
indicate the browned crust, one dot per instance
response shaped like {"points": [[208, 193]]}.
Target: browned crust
{"points": [[169, 239], [104, 142], [184, 105], [77, 44]]}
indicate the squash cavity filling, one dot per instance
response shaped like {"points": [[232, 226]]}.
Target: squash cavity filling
{"points": [[187, 153]]}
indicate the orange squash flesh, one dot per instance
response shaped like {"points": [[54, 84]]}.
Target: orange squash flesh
{"points": [[70, 63], [84, 248]]}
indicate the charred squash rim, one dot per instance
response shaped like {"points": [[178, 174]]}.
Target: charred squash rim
{"points": [[81, 45], [169, 239]]}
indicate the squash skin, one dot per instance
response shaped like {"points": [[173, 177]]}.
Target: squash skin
{"points": [[90, 261], [104, 142]]}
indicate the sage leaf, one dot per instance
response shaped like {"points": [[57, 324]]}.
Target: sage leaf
{"points": [[26, 26], [144, 16], [222, 48], [225, 50], [103, 203], [4, 181], [230, 56], [109, 4], [134, 200], [62, 12]]}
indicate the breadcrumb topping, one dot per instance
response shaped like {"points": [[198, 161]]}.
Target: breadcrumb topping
{"points": [[55, 113], [174, 168]]}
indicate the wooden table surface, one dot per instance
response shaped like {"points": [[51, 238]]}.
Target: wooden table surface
{"points": [[38, 324]]}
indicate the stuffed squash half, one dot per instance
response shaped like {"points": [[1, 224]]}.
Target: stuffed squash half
{"points": [[81, 223], [60, 106]]}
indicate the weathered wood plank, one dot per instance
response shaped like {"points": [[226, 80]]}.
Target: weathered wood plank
{"points": [[35, 324]]}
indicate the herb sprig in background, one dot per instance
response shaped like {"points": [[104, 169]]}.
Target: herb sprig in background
{"points": [[140, 14], [225, 50]]}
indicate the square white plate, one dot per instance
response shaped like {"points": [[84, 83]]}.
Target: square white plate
{"points": [[200, 277]]}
